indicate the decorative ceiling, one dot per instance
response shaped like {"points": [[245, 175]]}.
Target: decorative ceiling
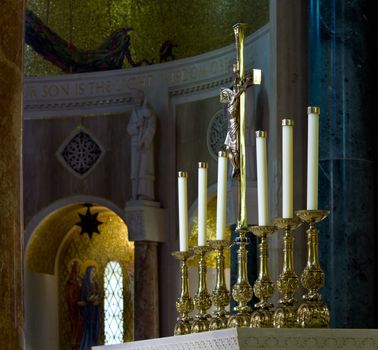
{"points": [[195, 26]]}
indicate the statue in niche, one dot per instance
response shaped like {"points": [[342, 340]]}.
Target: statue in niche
{"points": [[72, 294], [141, 128], [232, 143], [90, 309]]}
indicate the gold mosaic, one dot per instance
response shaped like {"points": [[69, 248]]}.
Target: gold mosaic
{"points": [[194, 26]]}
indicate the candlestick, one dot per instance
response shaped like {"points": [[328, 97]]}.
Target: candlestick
{"points": [[202, 300], [183, 210], [202, 202], [313, 313], [220, 295], [312, 157], [242, 291], [287, 168], [263, 288], [285, 315], [184, 303], [262, 177], [221, 195]]}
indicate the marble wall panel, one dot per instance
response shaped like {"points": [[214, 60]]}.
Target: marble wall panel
{"points": [[11, 78]]}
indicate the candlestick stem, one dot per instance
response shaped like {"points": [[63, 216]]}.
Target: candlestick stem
{"points": [[285, 316], [184, 303], [313, 313], [202, 300], [220, 294], [242, 291], [263, 288]]}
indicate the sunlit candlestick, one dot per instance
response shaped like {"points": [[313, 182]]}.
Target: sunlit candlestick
{"points": [[312, 157], [262, 177], [287, 168], [202, 203], [221, 195], [183, 210]]}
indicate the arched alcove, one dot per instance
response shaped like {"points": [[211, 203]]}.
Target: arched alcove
{"points": [[60, 260]]}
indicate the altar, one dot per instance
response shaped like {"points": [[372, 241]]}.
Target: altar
{"points": [[249, 338]]}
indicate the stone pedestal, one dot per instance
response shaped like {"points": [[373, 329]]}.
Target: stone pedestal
{"points": [[263, 338], [11, 78], [146, 226]]}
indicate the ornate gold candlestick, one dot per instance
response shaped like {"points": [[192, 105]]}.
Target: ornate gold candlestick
{"points": [[313, 313], [202, 300], [242, 290], [184, 303], [285, 315], [220, 295], [263, 287]]}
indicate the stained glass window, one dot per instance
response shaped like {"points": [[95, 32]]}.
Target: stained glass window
{"points": [[113, 303]]}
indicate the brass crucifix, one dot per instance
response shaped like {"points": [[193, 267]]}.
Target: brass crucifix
{"points": [[235, 139]]}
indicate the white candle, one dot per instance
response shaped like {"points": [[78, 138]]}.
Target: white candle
{"points": [[287, 168], [312, 157], [221, 195], [262, 177], [183, 210], [202, 203]]}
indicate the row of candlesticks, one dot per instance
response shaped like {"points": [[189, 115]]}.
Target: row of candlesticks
{"points": [[313, 312]]}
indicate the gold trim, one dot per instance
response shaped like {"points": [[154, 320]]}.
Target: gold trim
{"points": [[261, 133], [287, 122], [182, 174], [222, 154], [203, 165], [313, 110]]}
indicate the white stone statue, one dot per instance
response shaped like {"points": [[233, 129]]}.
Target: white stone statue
{"points": [[141, 128]]}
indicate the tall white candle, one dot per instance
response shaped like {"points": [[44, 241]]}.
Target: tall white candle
{"points": [[262, 177], [221, 195], [202, 203], [312, 157], [183, 210], [287, 168]]}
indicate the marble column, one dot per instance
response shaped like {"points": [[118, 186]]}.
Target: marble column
{"points": [[340, 40], [11, 78], [146, 291], [146, 223]]}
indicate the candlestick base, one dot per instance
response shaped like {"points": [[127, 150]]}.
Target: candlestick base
{"points": [[262, 318], [263, 287], [313, 313], [285, 315], [184, 303], [220, 295], [202, 300]]}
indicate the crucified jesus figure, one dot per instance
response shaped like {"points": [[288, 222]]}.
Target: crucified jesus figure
{"points": [[231, 97]]}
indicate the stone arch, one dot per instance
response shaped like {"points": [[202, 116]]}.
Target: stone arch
{"points": [[49, 237]]}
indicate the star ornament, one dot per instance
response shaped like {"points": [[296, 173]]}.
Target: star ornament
{"points": [[88, 222]]}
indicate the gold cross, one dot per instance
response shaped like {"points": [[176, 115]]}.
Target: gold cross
{"points": [[235, 99]]}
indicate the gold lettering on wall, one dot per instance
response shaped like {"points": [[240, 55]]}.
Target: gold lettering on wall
{"points": [[86, 88]]}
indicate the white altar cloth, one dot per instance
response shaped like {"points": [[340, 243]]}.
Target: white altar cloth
{"points": [[269, 339]]}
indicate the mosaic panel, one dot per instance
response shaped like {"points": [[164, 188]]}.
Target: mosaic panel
{"points": [[111, 245], [193, 27]]}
